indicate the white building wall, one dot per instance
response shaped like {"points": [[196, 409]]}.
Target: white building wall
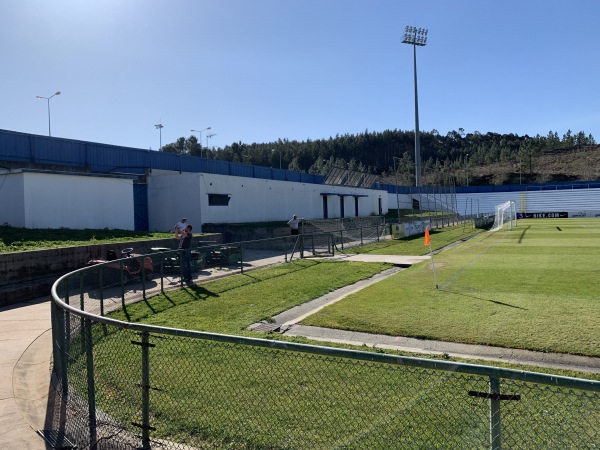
{"points": [[12, 205], [77, 202], [173, 195]]}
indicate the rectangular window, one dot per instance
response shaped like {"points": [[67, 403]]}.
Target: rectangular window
{"points": [[218, 199]]}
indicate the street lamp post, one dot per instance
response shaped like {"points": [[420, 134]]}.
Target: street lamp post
{"points": [[209, 136], [48, 98], [467, 168], [159, 127], [200, 138], [416, 37], [273, 150]]}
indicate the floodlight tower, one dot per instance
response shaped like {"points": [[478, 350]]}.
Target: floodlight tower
{"points": [[416, 37], [159, 127]]}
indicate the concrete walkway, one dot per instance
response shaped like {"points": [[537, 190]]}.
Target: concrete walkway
{"points": [[25, 348]]}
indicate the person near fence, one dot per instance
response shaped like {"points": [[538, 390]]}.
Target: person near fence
{"points": [[179, 227], [293, 223], [185, 243]]}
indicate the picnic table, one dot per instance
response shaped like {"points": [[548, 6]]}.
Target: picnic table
{"points": [[171, 260], [221, 254]]}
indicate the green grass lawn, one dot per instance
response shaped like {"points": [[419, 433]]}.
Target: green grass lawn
{"points": [[535, 287], [228, 305], [413, 245]]}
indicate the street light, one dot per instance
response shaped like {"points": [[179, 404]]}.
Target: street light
{"points": [[48, 98], [209, 136], [416, 37], [200, 139], [159, 127], [467, 167], [279, 156]]}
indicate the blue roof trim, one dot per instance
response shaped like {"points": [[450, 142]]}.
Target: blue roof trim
{"points": [[105, 158]]}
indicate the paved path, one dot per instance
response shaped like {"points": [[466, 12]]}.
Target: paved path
{"points": [[25, 346]]}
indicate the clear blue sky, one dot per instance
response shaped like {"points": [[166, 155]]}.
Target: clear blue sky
{"points": [[260, 70]]}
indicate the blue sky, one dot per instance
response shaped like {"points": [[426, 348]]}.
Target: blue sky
{"points": [[262, 70]]}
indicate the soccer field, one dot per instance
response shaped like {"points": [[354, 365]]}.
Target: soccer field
{"points": [[534, 287]]}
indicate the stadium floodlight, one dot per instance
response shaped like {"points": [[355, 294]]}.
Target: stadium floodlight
{"points": [[159, 127], [416, 37], [505, 212]]}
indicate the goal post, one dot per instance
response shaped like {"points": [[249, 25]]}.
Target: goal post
{"points": [[506, 213]]}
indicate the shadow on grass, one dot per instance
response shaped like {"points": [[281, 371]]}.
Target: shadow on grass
{"points": [[198, 292], [523, 233], [462, 294]]}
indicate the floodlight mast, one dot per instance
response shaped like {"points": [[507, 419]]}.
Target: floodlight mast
{"points": [[416, 37]]}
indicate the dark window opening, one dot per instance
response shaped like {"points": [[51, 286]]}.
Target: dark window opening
{"points": [[218, 199]]}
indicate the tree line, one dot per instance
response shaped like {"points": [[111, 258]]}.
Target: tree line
{"points": [[389, 152]]}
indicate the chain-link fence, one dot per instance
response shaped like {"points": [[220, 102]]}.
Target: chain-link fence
{"points": [[327, 235], [130, 385]]}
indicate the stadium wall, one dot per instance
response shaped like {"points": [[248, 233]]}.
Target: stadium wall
{"points": [[576, 202], [173, 195]]}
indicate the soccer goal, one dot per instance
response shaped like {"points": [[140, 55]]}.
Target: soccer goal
{"points": [[505, 213]]}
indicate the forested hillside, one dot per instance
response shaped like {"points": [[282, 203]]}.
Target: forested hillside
{"points": [[458, 157]]}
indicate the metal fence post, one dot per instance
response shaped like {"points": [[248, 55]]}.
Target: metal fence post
{"points": [[162, 274], [91, 391], [101, 282], [122, 277], [145, 390], [242, 258], [180, 259], [62, 355], [82, 308], [145, 425], [143, 272], [495, 430], [58, 345]]}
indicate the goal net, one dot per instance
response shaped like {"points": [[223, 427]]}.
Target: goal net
{"points": [[505, 214]]}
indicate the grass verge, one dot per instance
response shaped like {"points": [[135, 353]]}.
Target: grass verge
{"points": [[531, 288], [14, 239]]}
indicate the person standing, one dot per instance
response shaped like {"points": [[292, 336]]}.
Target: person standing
{"points": [[293, 223], [179, 227], [185, 244]]}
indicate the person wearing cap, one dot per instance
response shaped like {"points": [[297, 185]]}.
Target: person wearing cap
{"points": [[179, 227], [293, 224]]}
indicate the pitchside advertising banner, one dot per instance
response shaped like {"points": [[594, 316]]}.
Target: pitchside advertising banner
{"points": [[559, 215]]}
